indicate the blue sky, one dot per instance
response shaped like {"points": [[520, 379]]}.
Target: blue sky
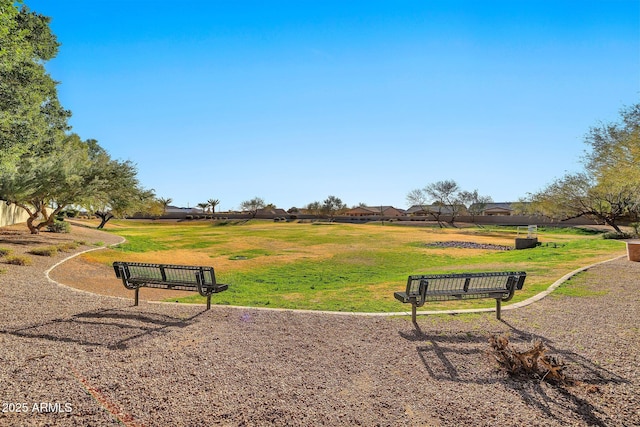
{"points": [[293, 101]]}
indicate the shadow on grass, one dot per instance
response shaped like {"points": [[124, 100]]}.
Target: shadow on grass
{"points": [[114, 329]]}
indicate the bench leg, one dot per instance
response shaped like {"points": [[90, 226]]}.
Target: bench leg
{"points": [[136, 300], [498, 307], [208, 302], [413, 313]]}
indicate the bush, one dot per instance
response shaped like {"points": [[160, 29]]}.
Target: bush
{"points": [[46, 251], [69, 246], [18, 260], [614, 235], [636, 228], [5, 252], [59, 227]]}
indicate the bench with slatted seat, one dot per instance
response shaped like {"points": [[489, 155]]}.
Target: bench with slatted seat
{"points": [[460, 286], [135, 275]]}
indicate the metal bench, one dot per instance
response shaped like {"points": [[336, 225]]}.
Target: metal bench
{"points": [[446, 287], [135, 275]]}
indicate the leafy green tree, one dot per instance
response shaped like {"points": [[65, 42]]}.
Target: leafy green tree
{"points": [[154, 208], [120, 193], [44, 185], [30, 112], [72, 173], [314, 208], [608, 190], [332, 205]]}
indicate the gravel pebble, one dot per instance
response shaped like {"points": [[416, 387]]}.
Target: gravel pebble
{"points": [[73, 358]]}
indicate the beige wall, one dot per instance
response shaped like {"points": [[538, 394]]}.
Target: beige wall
{"points": [[11, 214]]}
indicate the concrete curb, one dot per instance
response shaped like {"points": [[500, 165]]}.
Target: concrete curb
{"points": [[50, 269]]}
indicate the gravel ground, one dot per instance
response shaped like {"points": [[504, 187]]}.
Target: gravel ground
{"points": [[73, 358]]}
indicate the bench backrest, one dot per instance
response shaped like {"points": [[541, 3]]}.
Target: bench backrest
{"points": [[165, 273], [441, 287]]}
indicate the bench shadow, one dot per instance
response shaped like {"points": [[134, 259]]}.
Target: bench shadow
{"points": [[113, 329], [445, 358]]}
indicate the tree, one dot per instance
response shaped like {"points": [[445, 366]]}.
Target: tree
{"points": [[608, 189], [154, 208], [203, 206], [30, 112], [417, 197], [332, 205], [165, 202], [578, 195], [43, 169], [213, 203], [252, 206], [314, 208], [475, 202], [444, 197], [120, 194], [71, 173]]}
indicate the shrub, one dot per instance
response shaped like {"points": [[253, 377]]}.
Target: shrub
{"points": [[18, 260], [5, 252], [69, 246], [636, 228], [614, 235], [59, 227], [45, 251]]}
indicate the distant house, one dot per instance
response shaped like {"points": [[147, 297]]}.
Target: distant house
{"points": [[388, 211], [493, 209], [271, 212], [424, 210], [178, 210]]}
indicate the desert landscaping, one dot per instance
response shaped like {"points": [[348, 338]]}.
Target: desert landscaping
{"points": [[73, 357]]}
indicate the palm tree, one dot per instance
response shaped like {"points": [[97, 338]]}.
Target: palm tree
{"points": [[203, 206], [213, 203], [165, 203]]}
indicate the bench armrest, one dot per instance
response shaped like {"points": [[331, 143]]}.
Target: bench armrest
{"points": [[401, 296]]}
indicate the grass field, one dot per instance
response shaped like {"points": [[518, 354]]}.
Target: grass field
{"points": [[346, 267]]}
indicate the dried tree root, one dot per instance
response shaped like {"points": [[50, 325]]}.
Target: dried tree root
{"points": [[532, 363]]}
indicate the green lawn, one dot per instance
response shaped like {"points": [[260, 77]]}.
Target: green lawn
{"points": [[346, 267]]}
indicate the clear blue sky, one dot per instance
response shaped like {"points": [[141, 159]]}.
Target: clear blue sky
{"points": [[293, 101]]}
